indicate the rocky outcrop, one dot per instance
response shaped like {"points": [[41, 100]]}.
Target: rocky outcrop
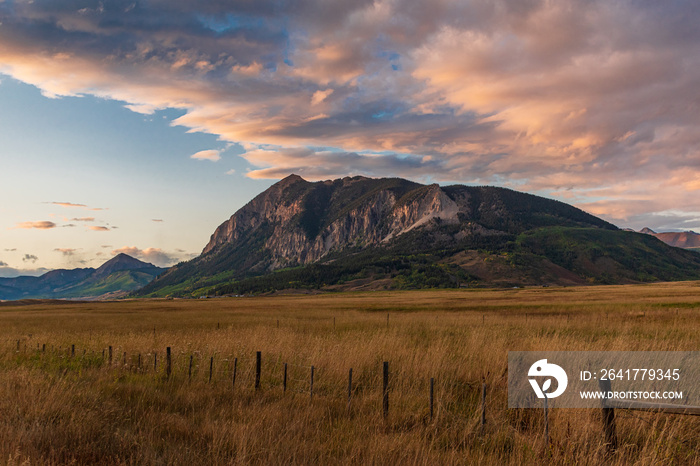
{"points": [[381, 214], [684, 239], [296, 222]]}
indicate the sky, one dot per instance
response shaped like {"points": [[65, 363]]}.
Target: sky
{"points": [[140, 126]]}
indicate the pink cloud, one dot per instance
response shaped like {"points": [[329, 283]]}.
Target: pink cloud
{"points": [[69, 204], [43, 225], [570, 96], [98, 228], [73, 205]]}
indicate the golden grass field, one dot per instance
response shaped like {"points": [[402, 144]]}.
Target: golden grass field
{"points": [[58, 409]]}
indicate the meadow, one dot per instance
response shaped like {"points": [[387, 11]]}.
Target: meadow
{"points": [[60, 405]]}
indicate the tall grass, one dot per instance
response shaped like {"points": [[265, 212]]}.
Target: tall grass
{"points": [[58, 409]]}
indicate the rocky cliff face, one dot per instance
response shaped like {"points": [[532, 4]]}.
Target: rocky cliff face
{"points": [[379, 216], [685, 239], [299, 222]]}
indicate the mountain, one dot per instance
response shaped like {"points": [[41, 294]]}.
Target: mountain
{"points": [[685, 239], [362, 233], [120, 274], [118, 263]]}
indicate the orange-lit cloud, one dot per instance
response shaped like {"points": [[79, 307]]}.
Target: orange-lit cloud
{"points": [[44, 225], [69, 204], [565, 97], [66, 251], [73, 205], [98, 228]]}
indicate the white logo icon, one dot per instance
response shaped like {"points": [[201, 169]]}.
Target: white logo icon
{"points": [[543, 369]]}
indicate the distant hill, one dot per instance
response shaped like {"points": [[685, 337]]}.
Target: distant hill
{"points": [[684, 239], [119, 275], [362, 233]]}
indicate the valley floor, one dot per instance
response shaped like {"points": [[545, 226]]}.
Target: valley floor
{"points": [[62, 400]]}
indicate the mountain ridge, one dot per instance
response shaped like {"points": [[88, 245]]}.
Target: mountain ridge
{"points": [[326, 234], [681, 239], [82, 282]]}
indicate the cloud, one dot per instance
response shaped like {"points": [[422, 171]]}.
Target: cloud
{"points": [[73, 205], [3, 264], [10, 250], [66, 251], [69, 204], [157, 220], [98, 228], [212, 155], [320, 165], [573, 96], [83, 219], [231, 172], [44, 225], [30, 258], [154, 256], [320, 96]]}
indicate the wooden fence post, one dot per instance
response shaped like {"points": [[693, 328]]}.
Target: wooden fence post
{"points": [[385, 390], [483, 406], [235, 368], [432, 392], [349, 388], [43, 349], [72, 351], [608, 416], [110, 355], [18, 346], [168, 362], [258, 369], [189, 370], [284, 379], [546, 423], [155, 361], [124, 359], [311, 386], [211, 368]]}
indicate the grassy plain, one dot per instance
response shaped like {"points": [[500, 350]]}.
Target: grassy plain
{"points": [[61, 409]]}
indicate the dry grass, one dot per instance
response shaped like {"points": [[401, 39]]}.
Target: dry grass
{"points": [[57, 409]]}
